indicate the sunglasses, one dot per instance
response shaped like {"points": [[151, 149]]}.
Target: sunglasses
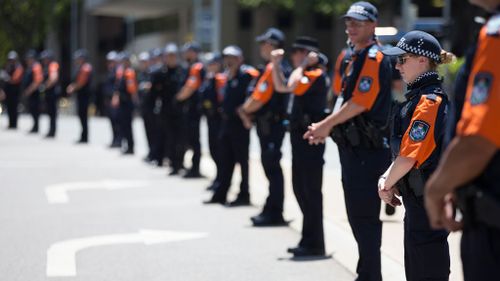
{"points": [[402, 59]]}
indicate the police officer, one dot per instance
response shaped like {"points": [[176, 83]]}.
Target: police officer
{"points": [[470, 166], [211, 97], [418, 131], [234, 138], [270, 109], [81, 82], [124, 98], [166, 83], [189, 94], [33, 78], [12, 77], [360, 129], [147, 103], [308, 84], [112, 65], [50, 87]]}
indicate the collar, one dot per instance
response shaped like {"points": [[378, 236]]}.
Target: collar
{"points": [[424, 79]]}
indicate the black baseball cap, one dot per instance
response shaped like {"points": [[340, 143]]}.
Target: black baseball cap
{"points": [[47, 54], [362, 11], [419, 43], [80, 54], [273, 36], [30, 54], [306, 43]]}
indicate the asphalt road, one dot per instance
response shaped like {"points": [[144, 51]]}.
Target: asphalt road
{"points": [[85, 212]]}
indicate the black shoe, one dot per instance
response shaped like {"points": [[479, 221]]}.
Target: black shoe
{"points": [[267, 220], [193, 174], [174, 172], [33, 131], [81, 141], [239, 202], [128, 152], [115, 145], [214, 201], [306, 252], [389, 210], [50, 136]]}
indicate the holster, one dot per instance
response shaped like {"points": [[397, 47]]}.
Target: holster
{"points": [[478, 206]]}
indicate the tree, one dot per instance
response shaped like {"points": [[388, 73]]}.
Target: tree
{"points": [[24, 23]]}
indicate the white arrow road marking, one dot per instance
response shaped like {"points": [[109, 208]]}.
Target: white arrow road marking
{"points": [[58, 193], [61, 256]]}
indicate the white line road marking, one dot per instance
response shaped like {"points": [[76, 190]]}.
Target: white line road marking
{"points": [[61, 256], [58, 193]]}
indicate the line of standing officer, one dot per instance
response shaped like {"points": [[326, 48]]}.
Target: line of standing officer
{"points": [[234, 137], [269, 108], [211, 98], [308, 84], [146, 102], [166, 82], [468, 173], [417, 141], [189, 96], [124, 100], [33, 78], [80, 85], [12, 76], [112, 65], [50, 88], [360, 129]]}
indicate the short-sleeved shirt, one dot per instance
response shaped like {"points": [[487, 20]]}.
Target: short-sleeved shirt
{"points": [[237, 90], [420, 122], [481, 110], [365, 77], [310, 96]]}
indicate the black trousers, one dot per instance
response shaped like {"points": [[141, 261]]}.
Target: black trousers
{"points": [[214, 123], [480, 251], [125, 116], [307, 181], [12, 96], [427, 256], [34, 108], [149, 118], [234, 142], [83, 99], [169, 140], [361, 169], [271, 139], [114, 120], [51, 107], [193, 139]]}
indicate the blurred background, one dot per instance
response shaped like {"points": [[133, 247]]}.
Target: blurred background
{"points": [[104, 25]]}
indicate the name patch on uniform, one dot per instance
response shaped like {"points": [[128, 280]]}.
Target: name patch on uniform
{"points": [[365, 84], [481, 90], [419, 130], [263, 87]]}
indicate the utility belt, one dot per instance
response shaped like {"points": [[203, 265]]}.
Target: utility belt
{"points": [[360, 133], [478, 206], [302, 123], [413, 181], [209, 109], [266, 122]]}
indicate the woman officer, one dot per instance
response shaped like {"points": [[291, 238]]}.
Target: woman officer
{"points": [[416, 144]]}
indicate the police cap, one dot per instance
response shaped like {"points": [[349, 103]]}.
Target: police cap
{"points": [[362, 11], [418, 43], [232, 50], [306, 43], [273, 36]]}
